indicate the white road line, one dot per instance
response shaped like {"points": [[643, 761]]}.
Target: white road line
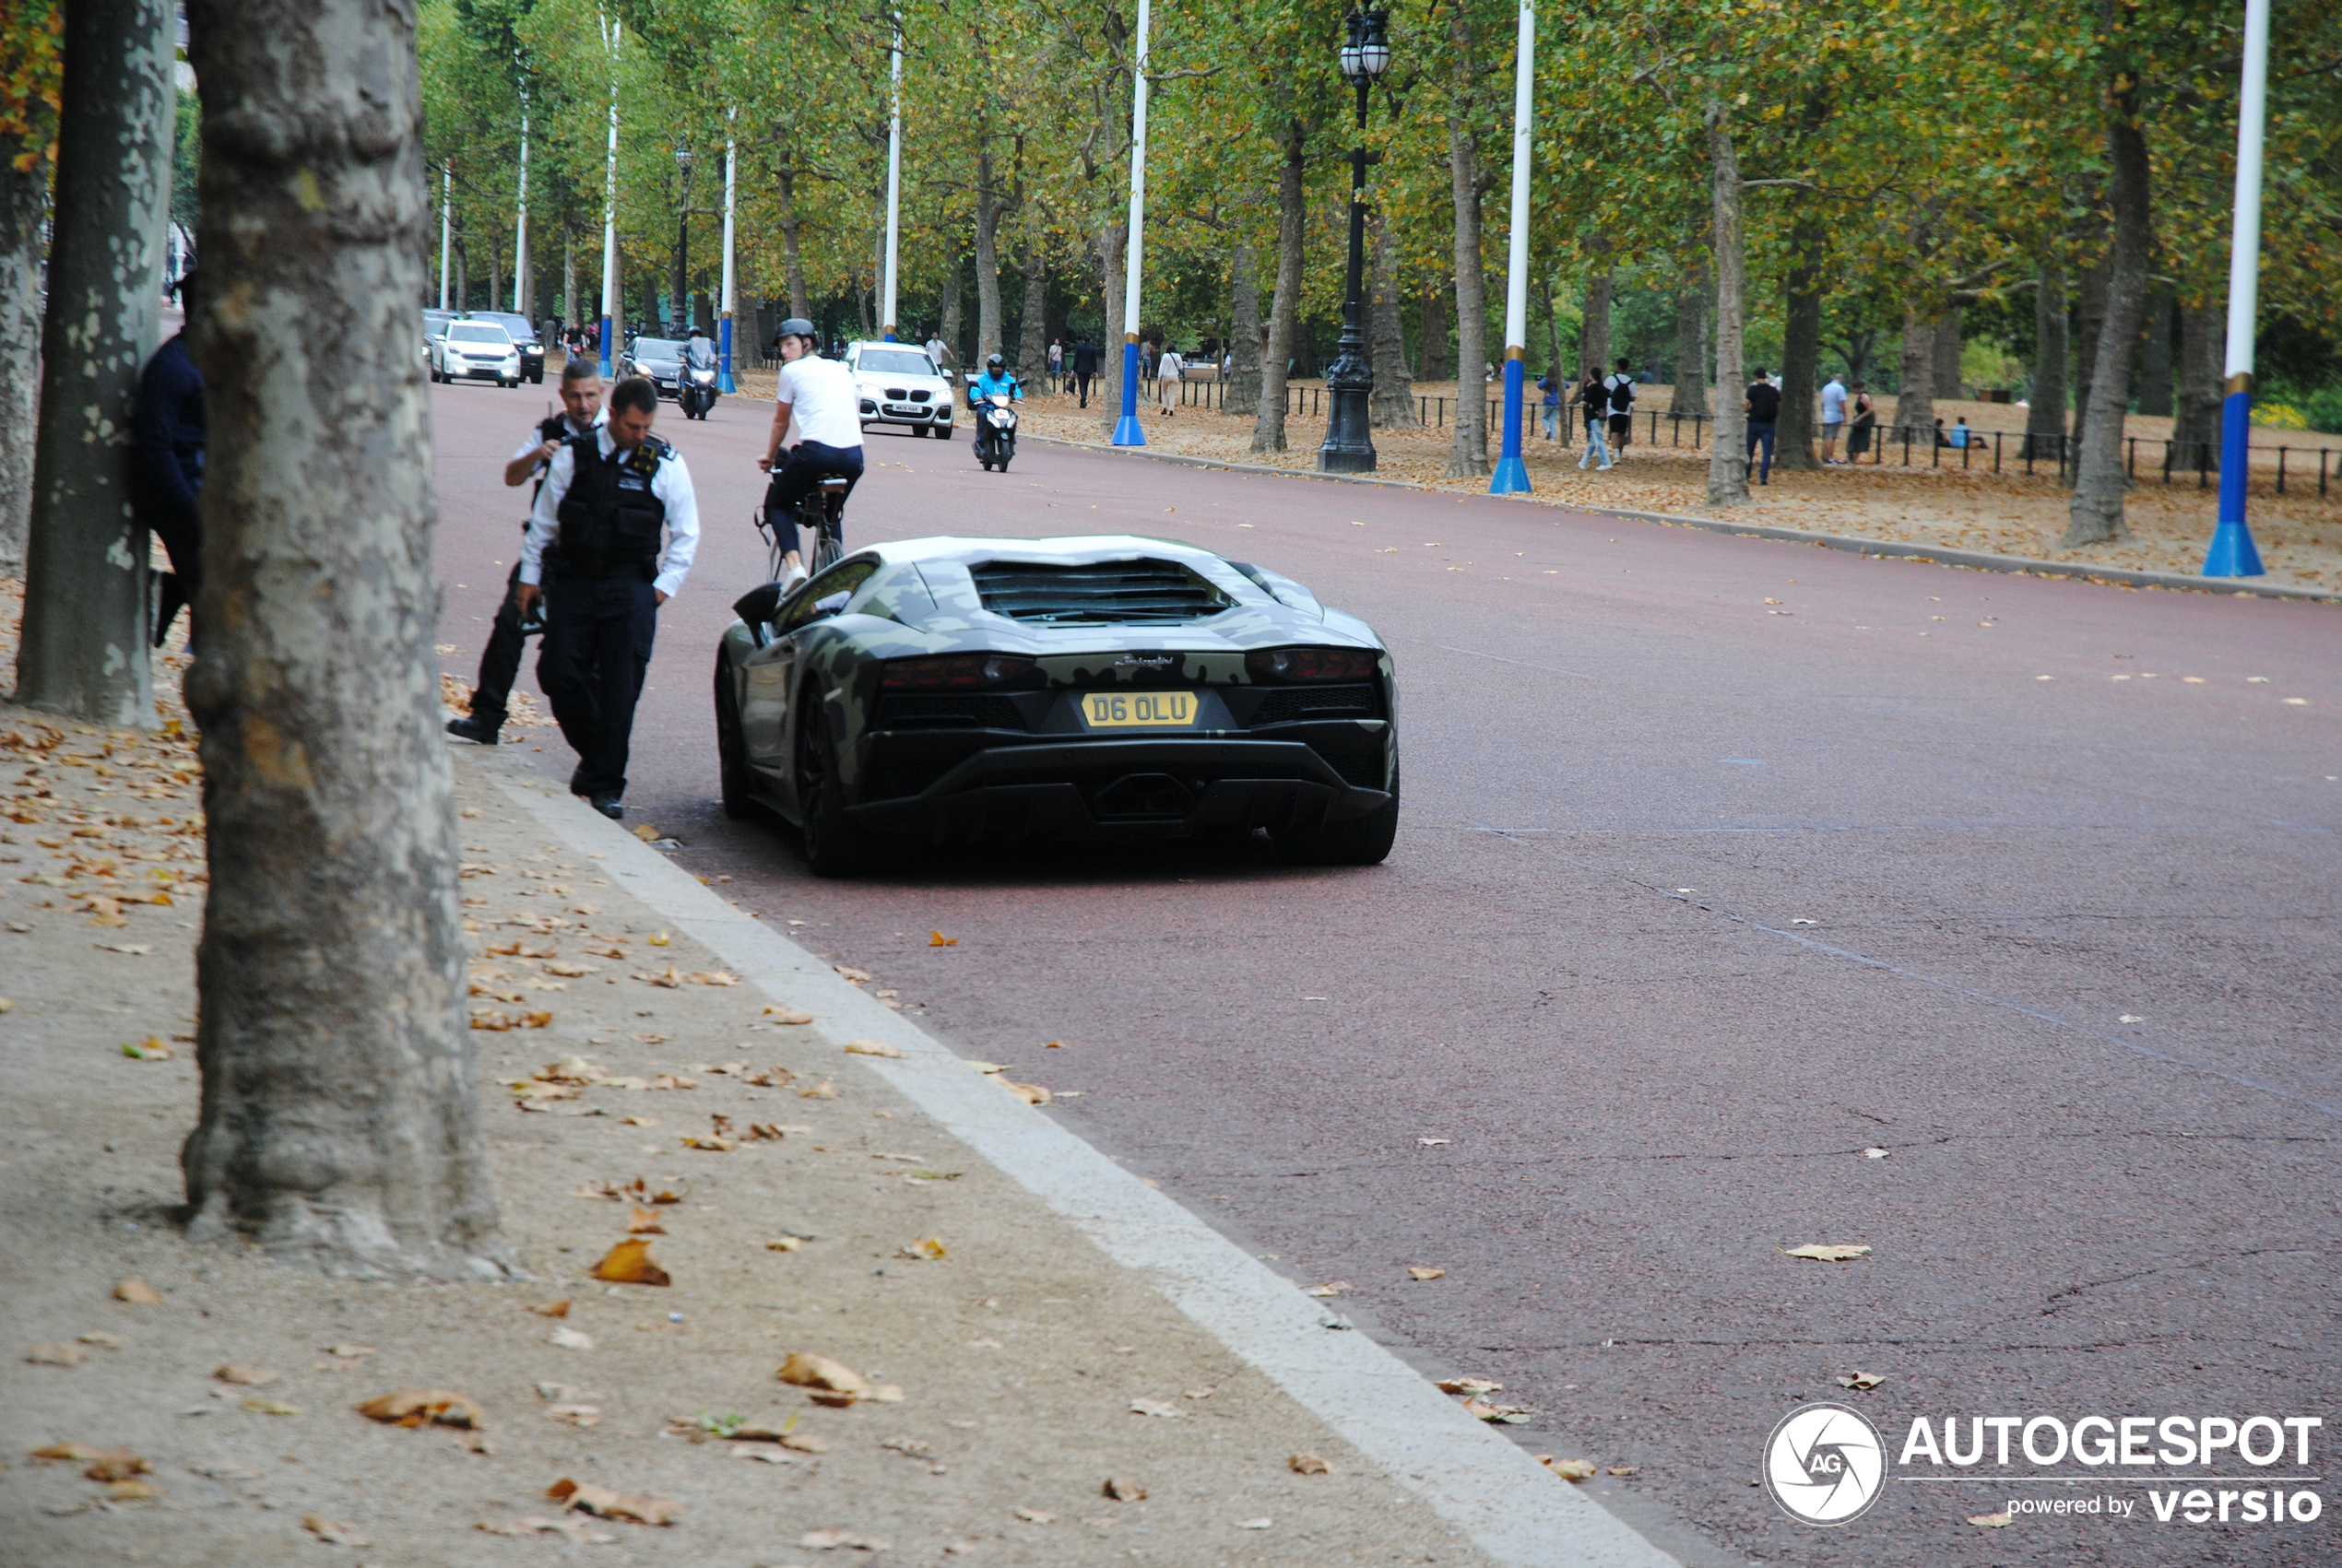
{"points": [[1513, 1508]]}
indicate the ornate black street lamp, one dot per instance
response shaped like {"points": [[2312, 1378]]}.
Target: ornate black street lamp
{"points": [[1349, 445]]}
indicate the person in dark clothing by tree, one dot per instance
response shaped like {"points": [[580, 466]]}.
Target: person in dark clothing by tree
{"points": [[1763, 405], [168, 467], [1085, 367]]}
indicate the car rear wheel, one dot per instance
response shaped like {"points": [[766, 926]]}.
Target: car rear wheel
{"points": [[1364, 841], [833, 846], [731, 746]]}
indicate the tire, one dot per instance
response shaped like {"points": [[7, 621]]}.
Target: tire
{"points": [[733, 777], [945, 432], [833, 846], [1366, 840], [827, 551], [1004, 463]]}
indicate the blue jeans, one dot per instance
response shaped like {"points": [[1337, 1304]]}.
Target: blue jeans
{"points": [[1553, 421], [1595, 443], [1762, 431]]}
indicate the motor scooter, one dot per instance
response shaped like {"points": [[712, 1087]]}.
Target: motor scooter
{"points": [[995, 431], [695, 392]]}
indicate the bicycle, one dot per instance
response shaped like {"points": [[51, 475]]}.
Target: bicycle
{"points": [[821, 509]]}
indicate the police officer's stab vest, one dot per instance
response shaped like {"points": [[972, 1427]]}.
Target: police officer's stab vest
{"points": [[609, 520]]}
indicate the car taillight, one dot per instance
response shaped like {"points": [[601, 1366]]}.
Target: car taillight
{"points": [[961, 672], [1311, 663]]}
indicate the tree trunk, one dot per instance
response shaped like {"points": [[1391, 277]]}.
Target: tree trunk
{"points": [[989, 208], [2089, 315], [86, 615], [1691, 347], [23, 203], [800, 303], [524, 282], [1431, 351], [2096, 516], [1243, 397], [339, 1120], [1915, 403], [1554, 366], [1947, 359], [1285, 305], [950, 330], [1393, 408], [1800, 348], [2203, 350], [462, 278], [2045, 416], [1468, 452], [1114, 237], [1593, 326], [2154, 354], [1033, 326], [1728, 455]]}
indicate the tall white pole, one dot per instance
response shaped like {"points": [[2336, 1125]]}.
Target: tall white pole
{"points": [[894, 186], [520, 217], [447, 223], [1126, 429], [724, 382], [1512, 474], [2232, 553], [612, 295]]}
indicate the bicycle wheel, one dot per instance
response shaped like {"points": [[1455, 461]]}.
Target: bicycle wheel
{"points": [[827, 552]]}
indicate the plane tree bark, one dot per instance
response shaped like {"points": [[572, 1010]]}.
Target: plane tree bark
{"points": [[2096, 513], [1285, 305], [1728, 455], [1394, 395], [1801, 350], [2045, 413], [339, 1120], [1243, 397]]}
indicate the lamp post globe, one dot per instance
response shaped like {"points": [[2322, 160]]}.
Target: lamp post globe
{"points": [[1349, 444]]}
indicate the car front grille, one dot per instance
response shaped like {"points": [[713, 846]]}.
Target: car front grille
{"points": [[1293, 704], [1116, 593], [950, 710]]}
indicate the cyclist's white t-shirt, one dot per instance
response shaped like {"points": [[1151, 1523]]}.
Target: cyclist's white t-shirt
{"points": [[823, 402]]}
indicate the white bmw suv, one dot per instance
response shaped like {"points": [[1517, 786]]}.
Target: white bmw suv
{"points": [[469, 350], [900, 386]]}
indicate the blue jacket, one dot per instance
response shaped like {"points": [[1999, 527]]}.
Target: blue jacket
{"points": [[167, 456], [987, 385]]}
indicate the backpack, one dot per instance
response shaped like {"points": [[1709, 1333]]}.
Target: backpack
{"points": [[1622, 394]]}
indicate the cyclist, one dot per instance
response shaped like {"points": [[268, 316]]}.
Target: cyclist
{"points": [[820, 395]]}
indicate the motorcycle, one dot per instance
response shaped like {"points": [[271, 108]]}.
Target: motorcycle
{"points": [[995, 431], [695, 391]]}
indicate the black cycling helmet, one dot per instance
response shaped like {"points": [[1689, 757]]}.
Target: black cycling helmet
{"points": [[798, 326], [994, 362]]}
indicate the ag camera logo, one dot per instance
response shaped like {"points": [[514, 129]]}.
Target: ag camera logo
{"points": [[1824, 1464]]}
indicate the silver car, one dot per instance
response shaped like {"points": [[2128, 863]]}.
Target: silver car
{"points": [[474, 350], [901, 386]]}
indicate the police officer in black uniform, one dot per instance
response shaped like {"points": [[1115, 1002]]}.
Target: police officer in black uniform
{"points": [[594, 558], [500, 662]]}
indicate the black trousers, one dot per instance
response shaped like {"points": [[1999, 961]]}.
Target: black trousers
{"points": [[808, 464], [182, 538], [500, 661], [1082, 379], [598, 632]]}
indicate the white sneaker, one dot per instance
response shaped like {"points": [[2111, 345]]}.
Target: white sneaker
{"points": [[1607, 468]]}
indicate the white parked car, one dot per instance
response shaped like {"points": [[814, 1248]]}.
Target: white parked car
{"points": [[474, 350], [900, 386]]}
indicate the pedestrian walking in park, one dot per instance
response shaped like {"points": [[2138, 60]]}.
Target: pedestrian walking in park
{"points": [[1594, 398], [1762, 404], [167, 467], [508, 636], [1550, 388], [1833, 417], [1085, 367], [1057, 364], [1862, 427], [935, 349], [611, 540], [1621, 388], [1167, 373]]}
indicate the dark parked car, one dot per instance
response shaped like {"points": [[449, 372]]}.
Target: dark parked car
{"points": [[661, 358], [524, 333], [1096, 687]]}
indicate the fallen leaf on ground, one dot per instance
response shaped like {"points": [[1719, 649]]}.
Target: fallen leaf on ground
{"points": [[1511, 1415], [101, 1337], [1205, 1393], [1991, 1521], [670, 977], [870, 1048], [576, 1069], [137, 1293], [1820, 1253], [783, 1243], [332, 1532], [788, 1015], [76, 1452], [1467, 1386], [1331, 1288], [659, 938], [1568, 1469], [644, 831], [131, 1491], [271, 1408], [1155, 1408], [55, 1354], [925, 1247], [571, 971], [551, 1309], [1875, 1153], [1432, 1142], [1035, 1515], [247, 1376], [710, 1146], [638, 1121], [938, 939], [931, 1175], [1030, 1093], [912, 1445], [645, 1222], [1861, 1380], [1623, 1469], [819, 1091], [825, 1540], [770, 1078], [114, 1464], [1427, 1273], [576, 1415], [670, 1080], [629, 1263], [805, 1369], [1255, 1523], [154, 1049], [413, 1406], [1125, 1488], [712, 977], [854, 975], [765, 1132], [571, 1339], [1308, 1465], [611, 1504]]}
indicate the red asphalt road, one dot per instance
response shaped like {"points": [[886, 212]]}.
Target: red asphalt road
{"points": [[1721, 862]]}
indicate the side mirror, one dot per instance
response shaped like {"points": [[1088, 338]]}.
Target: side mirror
{"points": [[757, 608]]}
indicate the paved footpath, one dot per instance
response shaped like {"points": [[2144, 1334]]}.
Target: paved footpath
{"points": [[1031, 1322]]}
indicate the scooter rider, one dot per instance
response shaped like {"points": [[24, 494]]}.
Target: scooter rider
{"points": [[595, 535], [820, 395], [507, 639], [995, 381], [699, 354]]}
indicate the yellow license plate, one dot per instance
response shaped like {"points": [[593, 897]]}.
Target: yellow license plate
{"points": [[1140, 710]]}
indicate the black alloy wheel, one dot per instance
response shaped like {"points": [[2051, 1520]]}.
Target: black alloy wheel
{"points": [[732, 774]]}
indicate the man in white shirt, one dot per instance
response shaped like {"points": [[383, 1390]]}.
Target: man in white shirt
{"points": [[595, 538], [935, 351], [508, 638], [820, 396], [1833, 418]]}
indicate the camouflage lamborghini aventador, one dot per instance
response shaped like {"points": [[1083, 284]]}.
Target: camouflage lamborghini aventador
{"points": [[1109, 687]]}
